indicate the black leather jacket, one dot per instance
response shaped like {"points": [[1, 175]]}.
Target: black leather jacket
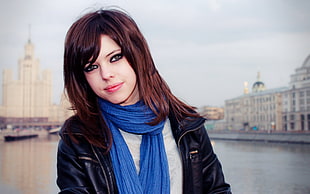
{"points": [[83, 168]]}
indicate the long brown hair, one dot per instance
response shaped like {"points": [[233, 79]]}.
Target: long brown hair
{"points": [[83, 43]]}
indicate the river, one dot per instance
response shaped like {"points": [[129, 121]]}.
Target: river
{"points": [[29, 166], [257, 167]]}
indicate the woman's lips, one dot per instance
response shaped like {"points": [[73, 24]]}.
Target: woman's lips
{"points": [[114, 87]]}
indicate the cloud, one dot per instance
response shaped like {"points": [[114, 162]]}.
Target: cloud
{"points": [[204, 49], [214, 5]]}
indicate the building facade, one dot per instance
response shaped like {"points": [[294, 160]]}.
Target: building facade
{"points": [[286, 108], [296, 100], [255, 111], [212, 113], [27, 100]]}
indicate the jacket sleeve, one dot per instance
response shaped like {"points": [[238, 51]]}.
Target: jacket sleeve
{"points": [[213, 177], [70, 175]]}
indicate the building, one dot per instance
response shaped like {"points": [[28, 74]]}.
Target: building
{"points": [[296, 100], [285, 108], [27, 100], [259, 110], [255, 111], [212, 114]]}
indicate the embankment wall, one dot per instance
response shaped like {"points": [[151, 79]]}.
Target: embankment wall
{"points": [[285, 137]]}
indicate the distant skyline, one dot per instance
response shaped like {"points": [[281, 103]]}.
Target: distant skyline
{"points": [[204, 49]]}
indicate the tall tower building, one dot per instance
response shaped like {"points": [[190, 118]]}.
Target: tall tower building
{"points": [[28, 98]]}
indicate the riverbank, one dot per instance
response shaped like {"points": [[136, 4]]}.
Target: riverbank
{"points": [[275, 137]]}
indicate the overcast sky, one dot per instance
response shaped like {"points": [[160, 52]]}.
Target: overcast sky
{"points": [[204, 49]]}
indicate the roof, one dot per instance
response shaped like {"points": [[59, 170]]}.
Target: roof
{"points": [[306, 62], [262, 93]]}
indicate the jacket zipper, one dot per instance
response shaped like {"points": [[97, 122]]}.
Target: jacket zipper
{"points": [[87, 158], [179, 142], [188, 131], [104, 173], [192, 153]]}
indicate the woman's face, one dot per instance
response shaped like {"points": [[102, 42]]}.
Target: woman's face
{"points": [[111, 77]]}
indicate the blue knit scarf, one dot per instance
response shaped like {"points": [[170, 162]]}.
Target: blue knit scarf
{"points": [[154, 173]]}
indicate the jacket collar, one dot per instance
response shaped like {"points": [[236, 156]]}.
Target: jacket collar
{"points": [[188, 124]]}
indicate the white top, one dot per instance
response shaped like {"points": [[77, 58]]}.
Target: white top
{"points": [[174, 159]]}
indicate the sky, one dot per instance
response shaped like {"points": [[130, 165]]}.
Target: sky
{"points": [[204, 49]]}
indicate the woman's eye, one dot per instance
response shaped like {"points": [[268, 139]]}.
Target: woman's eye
{"points": [[116, 57], [90, 67]]}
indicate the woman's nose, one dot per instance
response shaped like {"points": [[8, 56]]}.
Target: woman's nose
{"points": [[106, 73]]}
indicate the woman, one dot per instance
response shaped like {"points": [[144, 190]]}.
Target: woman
{"points": [[129, 134]]}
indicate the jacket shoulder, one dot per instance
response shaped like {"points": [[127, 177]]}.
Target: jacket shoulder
{"points": [[71, 125], [179, 127], [71, 134]]}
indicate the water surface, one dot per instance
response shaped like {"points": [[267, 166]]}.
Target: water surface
{"points": [[29, 166]]}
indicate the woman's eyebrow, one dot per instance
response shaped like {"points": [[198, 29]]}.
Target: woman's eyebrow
{"points": [[116, 50]]}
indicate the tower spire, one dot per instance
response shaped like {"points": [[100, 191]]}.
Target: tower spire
{"points": [[29, 33], [258, 76], [246, 89]]}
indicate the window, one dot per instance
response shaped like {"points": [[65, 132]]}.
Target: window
{"points": [[301, 101], [302, 122], [302, 117], [301, 93]]}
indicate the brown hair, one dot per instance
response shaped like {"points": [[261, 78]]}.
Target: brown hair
{"points": [[83, 43]]}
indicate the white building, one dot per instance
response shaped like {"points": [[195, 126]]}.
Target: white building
{"points": [[286, 108], [259, 110], [27, 100], [296, 101]]}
